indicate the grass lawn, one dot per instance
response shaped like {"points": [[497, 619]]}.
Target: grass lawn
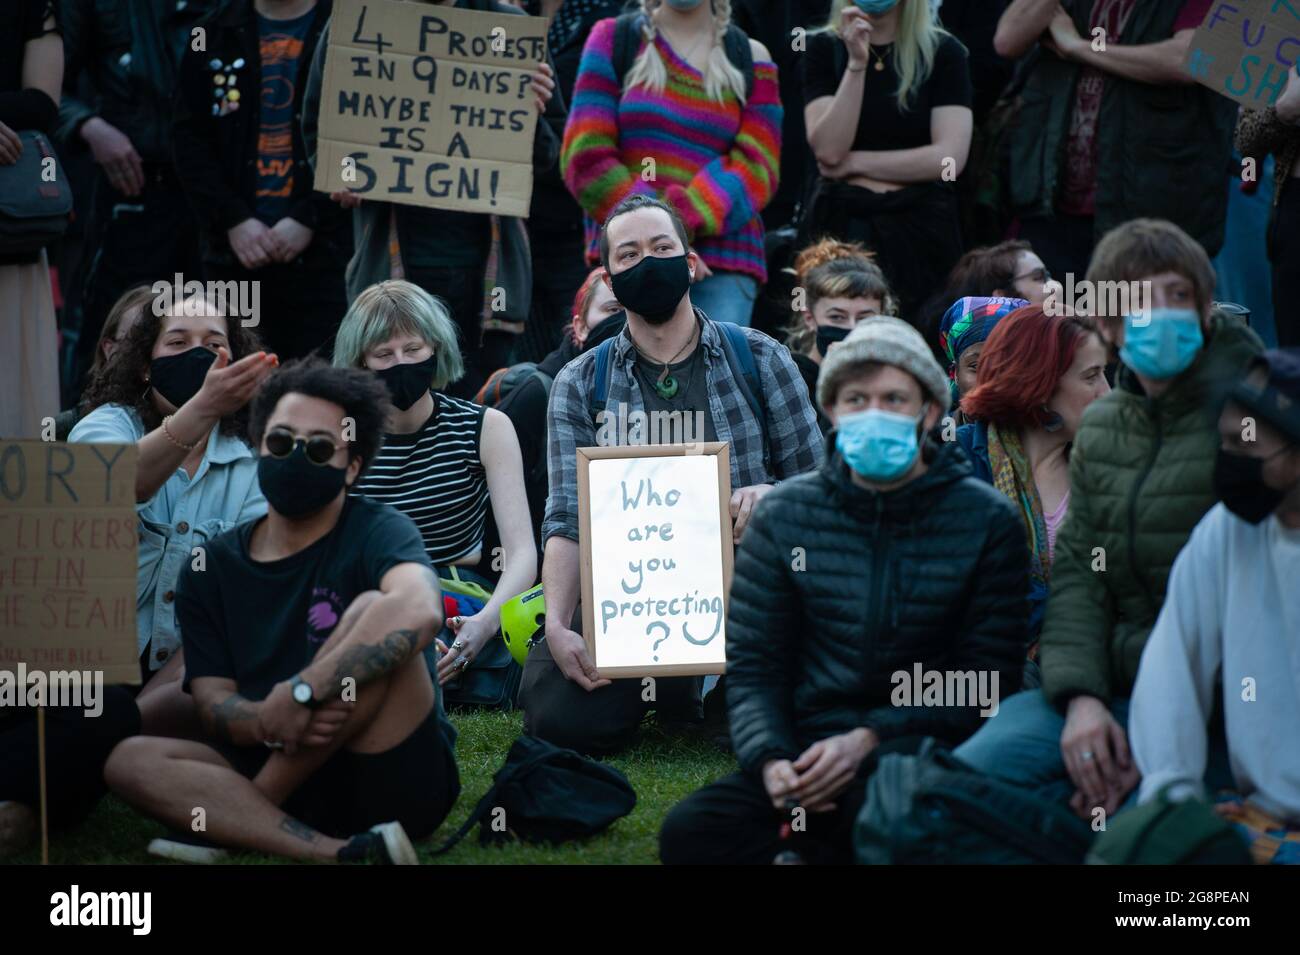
{"points": [[662, 769]]}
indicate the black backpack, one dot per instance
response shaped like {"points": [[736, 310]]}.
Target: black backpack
{"points": [[627, 40], [933, 809], [548, 794]]}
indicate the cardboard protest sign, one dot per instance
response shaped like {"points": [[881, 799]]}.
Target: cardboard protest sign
{"points": [[654, 527], [68, 537], [430, 106], [1245, 49]]}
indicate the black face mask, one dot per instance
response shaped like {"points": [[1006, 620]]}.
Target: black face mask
{"points": [[178, 378], [653, 288], [828, 335], [294, 486], [1239, 483], [408, 383]]}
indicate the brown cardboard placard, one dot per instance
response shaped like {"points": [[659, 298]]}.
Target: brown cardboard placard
{"points": [[68, 541], [1245, 49], [430, 106], [643, 590]]}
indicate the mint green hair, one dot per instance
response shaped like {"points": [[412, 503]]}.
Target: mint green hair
{"points": [[397, 307]]}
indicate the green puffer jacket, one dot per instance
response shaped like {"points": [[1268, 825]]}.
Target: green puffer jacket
{"points": [[1141, 477]]}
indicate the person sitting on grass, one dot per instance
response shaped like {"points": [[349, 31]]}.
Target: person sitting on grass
{"points": [[303, 634], [908, 563], [1141, 477], [1232, 615]]}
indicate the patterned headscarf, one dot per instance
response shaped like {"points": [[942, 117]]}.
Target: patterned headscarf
{"points": [[970, 321]]}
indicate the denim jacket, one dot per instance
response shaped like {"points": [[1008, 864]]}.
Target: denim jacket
{"points": [[184, 513]]}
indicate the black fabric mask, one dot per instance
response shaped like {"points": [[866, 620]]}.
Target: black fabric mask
{"points": [[408, 383], [294, 486], [1239, 483], [653, 288], [828, 335], [178, 378]]}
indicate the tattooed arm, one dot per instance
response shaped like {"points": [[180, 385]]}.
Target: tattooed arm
{"points": [[392, 629], [225, 714]]}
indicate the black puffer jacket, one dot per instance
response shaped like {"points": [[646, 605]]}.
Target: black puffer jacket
{"points": [[836, 588]]}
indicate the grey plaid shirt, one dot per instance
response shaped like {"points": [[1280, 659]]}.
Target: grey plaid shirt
{"points": [[794, 440]]}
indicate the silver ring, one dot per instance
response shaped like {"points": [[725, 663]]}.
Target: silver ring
{"points": [[462, 663], [1086, 755], [273, 744], [457, 644]]}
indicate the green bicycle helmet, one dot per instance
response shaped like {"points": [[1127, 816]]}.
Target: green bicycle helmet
{"points": [[522, 621]]}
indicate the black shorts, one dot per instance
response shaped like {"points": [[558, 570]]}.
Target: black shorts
{"points": [[415, 783]]}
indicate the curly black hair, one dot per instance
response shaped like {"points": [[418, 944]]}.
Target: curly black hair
{"points": [[122, 380], [358, 391]]}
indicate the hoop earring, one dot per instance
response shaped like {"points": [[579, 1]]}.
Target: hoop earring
{"points": [[1052, 421]]}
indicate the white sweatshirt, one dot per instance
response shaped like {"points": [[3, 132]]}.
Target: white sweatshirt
{"points": [[1233, 601]]}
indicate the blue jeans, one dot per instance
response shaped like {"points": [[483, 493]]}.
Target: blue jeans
{"points": [[726, 297], [1022, 744]]}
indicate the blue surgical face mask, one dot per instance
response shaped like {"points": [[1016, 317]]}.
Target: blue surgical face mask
{"points": [[1162, 343], [879, 445], [684, 4], [875, 7]]}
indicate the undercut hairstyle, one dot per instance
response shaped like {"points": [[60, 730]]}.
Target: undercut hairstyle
{"points": [[639, 200], [1023, 361], [396, 307], [360, 393], [123, 381], [1141, 248], [830, 268]]}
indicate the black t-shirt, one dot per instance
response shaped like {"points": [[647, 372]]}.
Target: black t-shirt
{"points": [[881, 124], [260, 622], [692, 396]]}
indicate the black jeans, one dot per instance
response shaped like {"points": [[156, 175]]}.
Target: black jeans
{"points": [[134, 240], [1285, 253], [602, 721], [462, 290], [300, 304], [733, 821], [76, 748]]}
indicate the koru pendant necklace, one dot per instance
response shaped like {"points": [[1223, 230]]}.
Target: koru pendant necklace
{"points": [[666, 386]]}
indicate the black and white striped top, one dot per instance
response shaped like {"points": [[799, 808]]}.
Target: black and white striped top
{"points": [[436, 477]]}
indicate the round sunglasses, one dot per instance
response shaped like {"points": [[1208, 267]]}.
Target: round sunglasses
{"points": [[319, 449]]}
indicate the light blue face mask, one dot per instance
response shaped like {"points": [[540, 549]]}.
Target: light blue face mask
{"points": [[879, 445], [875, 7], [684, 4], [1163, 343]]}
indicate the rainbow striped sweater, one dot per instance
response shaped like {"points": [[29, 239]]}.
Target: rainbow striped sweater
{"points": [[716, 162]]}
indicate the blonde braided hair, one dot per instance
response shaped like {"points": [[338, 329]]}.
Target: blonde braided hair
{"points": [[720, 74]]}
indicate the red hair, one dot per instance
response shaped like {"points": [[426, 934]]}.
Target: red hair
{"points": [[1022, 362], [582, 301]]}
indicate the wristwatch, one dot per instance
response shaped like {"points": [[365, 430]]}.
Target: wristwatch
{"points": [[303, 693]]}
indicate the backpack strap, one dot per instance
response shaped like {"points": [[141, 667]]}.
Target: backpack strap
{"points": [[604, 373], [741, 55], [740, 356], [627, 40]]}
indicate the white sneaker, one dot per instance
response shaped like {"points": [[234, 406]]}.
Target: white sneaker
{"points": [[191, 849]]}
